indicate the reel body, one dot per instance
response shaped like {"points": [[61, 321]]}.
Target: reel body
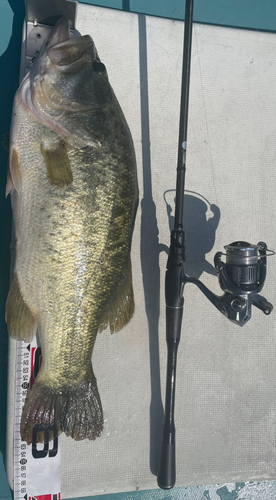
{"points": [[241, 277]]}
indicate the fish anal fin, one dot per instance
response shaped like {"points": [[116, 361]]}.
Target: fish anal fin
{"points": [[122, 308], [57, 163], [21, 322]]}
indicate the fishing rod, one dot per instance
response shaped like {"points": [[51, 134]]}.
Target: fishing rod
{"points": [[241, 276], [175, 269]]}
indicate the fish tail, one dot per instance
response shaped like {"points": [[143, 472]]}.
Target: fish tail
{"points": [[73, 409]]}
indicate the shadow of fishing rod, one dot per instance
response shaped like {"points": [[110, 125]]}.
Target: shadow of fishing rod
{"points": [[150, 250]]}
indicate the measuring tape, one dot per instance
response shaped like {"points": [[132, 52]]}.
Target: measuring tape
{"points": [[36, 466]]}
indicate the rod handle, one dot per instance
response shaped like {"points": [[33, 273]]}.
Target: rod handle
{"points": [[166, 473]]}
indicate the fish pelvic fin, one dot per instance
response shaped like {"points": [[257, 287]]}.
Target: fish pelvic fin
{"points": [[73, 409], [122, 308], [58, 164], [21, 322]]}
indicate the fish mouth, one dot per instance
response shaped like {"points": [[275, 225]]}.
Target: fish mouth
{"points": [[60, 33], [66, 52], [71, 53]]}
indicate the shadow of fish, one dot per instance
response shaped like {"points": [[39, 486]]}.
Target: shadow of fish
{"points": [[73, 184]]}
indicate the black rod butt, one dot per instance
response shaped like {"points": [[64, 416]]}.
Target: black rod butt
{"points": [[166, 472]]}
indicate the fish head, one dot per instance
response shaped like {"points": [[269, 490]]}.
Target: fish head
{"points": [[67, 78], [68, 72]]}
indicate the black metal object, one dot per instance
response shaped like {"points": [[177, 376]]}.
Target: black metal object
{"points": [[241, 277]]}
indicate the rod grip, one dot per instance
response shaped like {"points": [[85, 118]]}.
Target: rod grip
{"points": [[166, 473]]}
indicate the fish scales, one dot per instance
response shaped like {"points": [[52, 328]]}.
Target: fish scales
{"points": [[74, 193]]}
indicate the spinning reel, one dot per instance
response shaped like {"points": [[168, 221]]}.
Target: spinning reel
{"points": [[241, 277]]}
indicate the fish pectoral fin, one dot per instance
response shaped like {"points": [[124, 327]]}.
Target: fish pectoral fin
{"points": [[122, 308], [21, 322], [14, 178], [58, 164]]}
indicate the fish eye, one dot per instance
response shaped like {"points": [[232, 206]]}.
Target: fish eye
{"points": [[99, 67]]}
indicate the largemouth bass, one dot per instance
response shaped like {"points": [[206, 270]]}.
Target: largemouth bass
{"points": [[73, 184]]}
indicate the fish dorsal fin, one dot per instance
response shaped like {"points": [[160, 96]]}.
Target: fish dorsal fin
{"points": [[122, 309], [14, 178], [57, 163]]}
